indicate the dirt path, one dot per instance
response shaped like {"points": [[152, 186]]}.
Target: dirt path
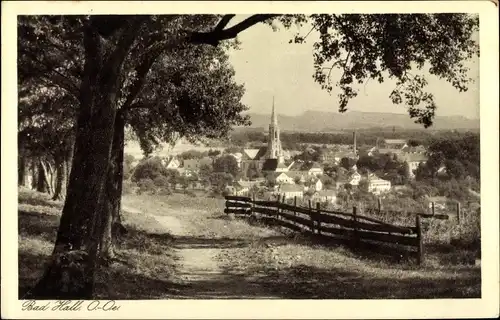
{"points": [[201, 244]]}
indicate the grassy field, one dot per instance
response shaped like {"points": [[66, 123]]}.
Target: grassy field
{"points": [[181, 246]]}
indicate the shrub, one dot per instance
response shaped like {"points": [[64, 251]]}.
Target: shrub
{"points": [[190, 193], [128, 187], [150, 168], [164, 191], [146, 186], [161, 181]]}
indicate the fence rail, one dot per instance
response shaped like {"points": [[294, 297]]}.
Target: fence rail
{"points": [[332, 224]]}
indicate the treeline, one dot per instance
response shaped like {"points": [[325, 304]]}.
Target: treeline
{"points": [[291, 140], [455, 159], [150, 175]]}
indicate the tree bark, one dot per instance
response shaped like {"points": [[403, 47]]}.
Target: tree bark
{"points": [[34, 174], [114, 183], [41, 184], [47, 175], [60, 185], [21, 171]]}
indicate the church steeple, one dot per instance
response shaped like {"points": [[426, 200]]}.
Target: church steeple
{"points": [[274, 119], [274, 144]]}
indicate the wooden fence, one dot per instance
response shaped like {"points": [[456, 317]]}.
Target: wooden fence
{"points": [[351, 228]]}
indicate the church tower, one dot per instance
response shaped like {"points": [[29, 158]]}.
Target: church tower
{"points": [[274, 144]]}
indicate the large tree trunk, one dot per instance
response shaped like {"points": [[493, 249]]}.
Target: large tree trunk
{"points": [[34, 174], [21, 171], [81, 223], [48, 176], [41, 180], [60, 185], [112, 226], [67, 164]]}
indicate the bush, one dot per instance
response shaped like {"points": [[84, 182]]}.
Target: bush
{"points": [[164, 191], [190, 193], [150, 168], [161, 181], [128, 187], [146, 186]]}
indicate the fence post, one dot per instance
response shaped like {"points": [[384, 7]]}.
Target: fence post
{"points": [[420, 248], [294, 210], [379, 205], [432, 208], [278, 206], [283, 200], [311, 216], [253, 204], [318, 220], [354, 227], [458, 212]]}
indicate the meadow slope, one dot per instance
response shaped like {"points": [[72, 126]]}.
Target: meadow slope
{"points": [[181, 247]]}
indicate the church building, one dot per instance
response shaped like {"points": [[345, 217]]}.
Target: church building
{"points": [[269, 159], [274, 160]]}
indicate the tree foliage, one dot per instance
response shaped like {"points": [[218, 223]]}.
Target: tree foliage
{"points": [[228, 164], [458, 155], [150, 168], [394, 46]]}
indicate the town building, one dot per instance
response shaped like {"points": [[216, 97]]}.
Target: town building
{"points": [[414, 160], [237, 156], [353, 178], [171, 163], [289, 191], [238, 189], [269, 158], [395, 144], [281, 177], [377, 185], [306, 168], [324, 196]]}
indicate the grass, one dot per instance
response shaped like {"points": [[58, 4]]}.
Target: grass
{"points": [[304, 271], [267, 261], [143, 266], [446, 242]]}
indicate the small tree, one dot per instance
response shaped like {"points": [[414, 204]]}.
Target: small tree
{"points": [[127, 166], [219, 181], [161, 181], [150, 168], [213, 154], [347, 163], [363, 185], [227, 164], [146, 186], [173, 177]]}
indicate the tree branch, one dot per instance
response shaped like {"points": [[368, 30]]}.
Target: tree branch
{"points": [[142, 71], [214, 37], [61, 79], [223, 22]]}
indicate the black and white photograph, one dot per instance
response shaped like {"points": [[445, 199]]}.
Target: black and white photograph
{"points": [[249, 156]]}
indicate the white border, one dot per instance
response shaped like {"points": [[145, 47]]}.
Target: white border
{"points": [[269, 309]]}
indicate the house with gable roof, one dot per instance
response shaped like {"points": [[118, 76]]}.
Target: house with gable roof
{"points": [[289, 191], [414, 160], [171, 163], [395, 144], [324, 196], [281, 177]]}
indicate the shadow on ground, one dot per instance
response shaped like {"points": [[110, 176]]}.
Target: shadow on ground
{"points": [[302, 282], [127, 279]]}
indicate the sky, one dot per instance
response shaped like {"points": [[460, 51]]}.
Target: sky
{"points": [[269, 66]]}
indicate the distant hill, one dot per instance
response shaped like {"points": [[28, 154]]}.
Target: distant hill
{"points": [[329, 121]]}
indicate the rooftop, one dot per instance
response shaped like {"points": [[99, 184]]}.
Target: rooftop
{"points": [[395, 141], [290, 188]]}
